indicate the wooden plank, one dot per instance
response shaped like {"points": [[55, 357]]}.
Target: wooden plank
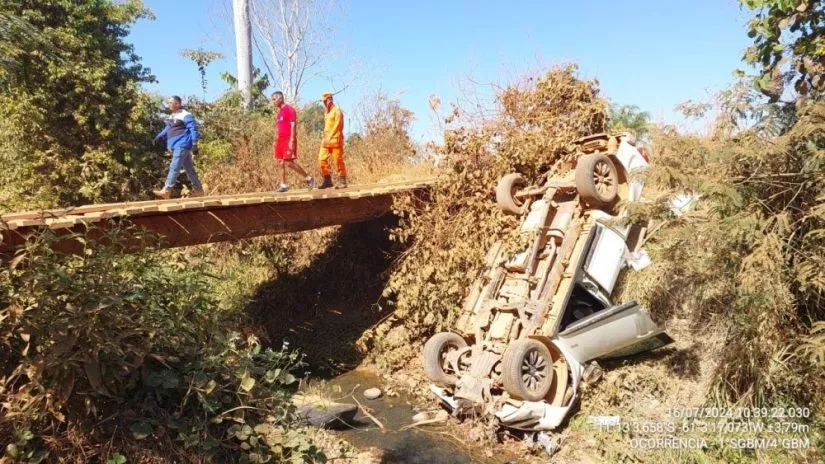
{"points": [[232, 202], [25, 215], [170, 207], [24, 223], [64, 222], [105, 214]]}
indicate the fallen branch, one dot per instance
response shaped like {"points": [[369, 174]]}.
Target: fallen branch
{"points": [[372, 418], [351, 393], [649, 234], [423, 422]]}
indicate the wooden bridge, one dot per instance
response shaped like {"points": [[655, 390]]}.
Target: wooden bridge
{"points": [[192, 221]]}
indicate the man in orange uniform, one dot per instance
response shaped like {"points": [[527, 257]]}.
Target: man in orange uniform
{"points": [[332, 143]]}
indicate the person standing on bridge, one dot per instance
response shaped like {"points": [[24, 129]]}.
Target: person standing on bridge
{"points": [[286, 142], [181, 133], [332, 143]]}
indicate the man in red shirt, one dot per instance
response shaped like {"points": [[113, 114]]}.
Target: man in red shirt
{"points": [[286, 142]]}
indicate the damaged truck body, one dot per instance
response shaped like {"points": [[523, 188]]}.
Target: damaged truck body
{"points": [[535, 321]]}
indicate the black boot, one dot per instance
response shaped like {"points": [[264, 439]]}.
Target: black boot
{"points": [[327, 183]]}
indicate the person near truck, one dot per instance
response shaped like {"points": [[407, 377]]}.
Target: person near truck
{"points": [[286, 142], [332, 145], [181, 134]]}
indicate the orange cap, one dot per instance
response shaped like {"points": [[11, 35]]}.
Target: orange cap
{"points": [[326, 95]]}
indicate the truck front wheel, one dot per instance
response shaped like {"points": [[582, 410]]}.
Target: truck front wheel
{"points": [[597, 180], [527, 370]]}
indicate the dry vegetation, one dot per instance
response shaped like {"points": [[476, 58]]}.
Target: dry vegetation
{"points": [[449, 234], [737, 281]]}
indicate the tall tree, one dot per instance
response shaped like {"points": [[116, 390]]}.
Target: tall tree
{"points": [[201, 58], [16, 36], [74, 126], [788, 45], [243, 49], [629, 117], [295, 35]]}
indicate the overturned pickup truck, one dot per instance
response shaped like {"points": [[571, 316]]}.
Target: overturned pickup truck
{"points": [[534, 322]]}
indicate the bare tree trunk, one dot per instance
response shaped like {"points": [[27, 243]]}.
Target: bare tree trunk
{"points": [[293, 37], [243, 49]]}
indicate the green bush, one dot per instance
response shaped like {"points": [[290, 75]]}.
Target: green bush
{"points": [[74, 126], [142, 338]]}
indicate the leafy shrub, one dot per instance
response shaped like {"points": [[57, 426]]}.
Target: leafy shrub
{"points": [[139, 338], [74, 126]]}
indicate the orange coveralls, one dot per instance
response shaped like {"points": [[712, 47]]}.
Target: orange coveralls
{"points": [[333, 143]]}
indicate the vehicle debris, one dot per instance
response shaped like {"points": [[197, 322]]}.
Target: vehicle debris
{"points": [[428, 417]]}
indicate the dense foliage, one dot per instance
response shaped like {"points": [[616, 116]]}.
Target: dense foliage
{"points": [[74, 126], [138, 342], [629, 117], [788, 45]]}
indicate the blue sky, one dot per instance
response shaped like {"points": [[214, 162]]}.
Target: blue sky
{"points": [[654, 54]]}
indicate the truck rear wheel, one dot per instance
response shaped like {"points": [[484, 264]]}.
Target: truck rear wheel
{"points": [[506, 194], [597, 180], [527, 370], [435, 358]]}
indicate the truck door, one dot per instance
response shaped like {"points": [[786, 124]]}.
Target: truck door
{"points": [[619, 331]]}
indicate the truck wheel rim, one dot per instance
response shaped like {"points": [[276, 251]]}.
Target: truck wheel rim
{"points": [[602, 178], [514, 190], [533, 370]]}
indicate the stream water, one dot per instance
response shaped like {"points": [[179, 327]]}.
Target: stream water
{"points": [[416, 445]]}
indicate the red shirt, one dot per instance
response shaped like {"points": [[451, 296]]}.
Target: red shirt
{"points": [[286, 116]]}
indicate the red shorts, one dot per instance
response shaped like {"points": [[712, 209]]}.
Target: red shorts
{"points": [[282, 148]]}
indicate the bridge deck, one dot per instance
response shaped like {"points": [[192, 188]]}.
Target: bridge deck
{"points": [[185, 221]]}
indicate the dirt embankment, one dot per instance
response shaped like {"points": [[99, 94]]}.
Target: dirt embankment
{"points": [[323, 307]]}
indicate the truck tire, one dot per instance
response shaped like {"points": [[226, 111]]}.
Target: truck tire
{"points": [[506, 194], [435, 353], [527, 370], [597, 180]]}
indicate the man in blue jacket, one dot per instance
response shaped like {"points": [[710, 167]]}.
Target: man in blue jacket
{"points": [[181, 133]]}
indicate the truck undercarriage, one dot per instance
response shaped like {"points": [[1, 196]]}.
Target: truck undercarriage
{"points": [[534, 319]]}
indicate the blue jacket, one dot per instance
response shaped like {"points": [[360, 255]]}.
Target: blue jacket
{"points": [[181, 131]]}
